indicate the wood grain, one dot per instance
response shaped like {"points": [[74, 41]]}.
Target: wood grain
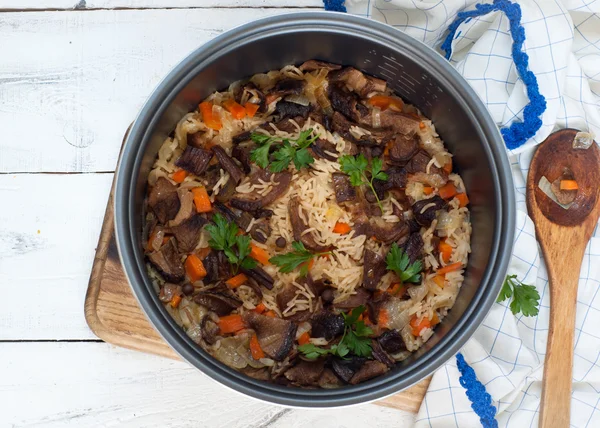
{"points": [[563, 236]]}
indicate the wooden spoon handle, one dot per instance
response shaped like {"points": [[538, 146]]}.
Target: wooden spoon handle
{"points": [[563, 270]]}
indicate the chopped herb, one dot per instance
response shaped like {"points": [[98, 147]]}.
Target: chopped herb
{"points": [[289, 151], [525, 298], [357, 167], [299, 257], [397, 260], [224, 237]]}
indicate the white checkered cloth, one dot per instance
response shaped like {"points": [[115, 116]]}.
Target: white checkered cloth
{"points": [[507, 351]]}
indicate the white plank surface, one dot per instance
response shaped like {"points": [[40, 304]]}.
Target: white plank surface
{"points": [[97, 385], [79, 78], [132, 4]]}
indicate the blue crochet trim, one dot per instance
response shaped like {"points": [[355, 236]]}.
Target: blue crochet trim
{"points": [[334, 5], [481, 401], [519, 132]]}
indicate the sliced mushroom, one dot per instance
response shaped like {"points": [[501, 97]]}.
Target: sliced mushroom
{"points": [[327, 324], [425, 210], [413, 246], [298, 227], [288, 87], [188, 231], [288, 109], [194, 160], [403, 148], [211, 265], [284, 297], [196, 139], [374, 268], [306, 373], [275, 335], [359, 298], [254, 201], [164, 200], [242, 154], [344, 191], [219, 303], [249, 93], [210, 328], [387, 232], [417, 166], [346, 103], [360, 83], [324, 149], [391, 341], [168, 262], [369, 370], [240, 138], [228, 164], [312, 65], [341, 125], [380, 355], [346, 368], [329, 380], [259, 275]]}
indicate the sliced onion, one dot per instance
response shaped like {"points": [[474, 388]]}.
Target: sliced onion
{"points": [[234, 351], [298, 99], [418, 293], [448, 220], [583, 140], [158, 240], [187, 206], [376, 117], [398, 313], [323, 101]]}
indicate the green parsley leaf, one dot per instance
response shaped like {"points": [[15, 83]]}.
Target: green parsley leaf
{"points": [[397, 260], [302, 158], [313, 352], [299, 257], [224, 237], [290, 151], [260, 138], [360, 346], [260, 155], [525, 298], [358, 169]]}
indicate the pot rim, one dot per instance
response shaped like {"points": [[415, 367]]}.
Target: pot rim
{"points": [[133, 261]]}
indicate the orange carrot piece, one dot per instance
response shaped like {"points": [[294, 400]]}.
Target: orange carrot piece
{"points": [[435, 319], [251, 109], [175, 301], [421, 125], [210, 119], [384, 102], [270, 98], [439, 280], [231, 324], [304, 338], [194, 268], [342, 228], [568, 185], [383, 318], [236, 110], [179, 176], [201, 199], [445, 250], [396, 289], [309, 264], [236, 281], [427, 190], [255, 349], [203, 252], [417, 327], [463, 199], [271, 314], [448, 167], [259, 254], [449, 268], [447, 191], [260, 308]]}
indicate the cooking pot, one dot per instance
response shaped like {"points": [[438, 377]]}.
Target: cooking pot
{"points": [[419, 75]]}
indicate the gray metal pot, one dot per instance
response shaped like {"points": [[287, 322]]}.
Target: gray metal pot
{"points": [[415, 72]]}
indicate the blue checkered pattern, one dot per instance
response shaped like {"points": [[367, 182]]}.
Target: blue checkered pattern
{"points": [[507, 352]]}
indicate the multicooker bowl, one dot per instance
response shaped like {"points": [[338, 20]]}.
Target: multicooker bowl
{"points": [[415, 72]]}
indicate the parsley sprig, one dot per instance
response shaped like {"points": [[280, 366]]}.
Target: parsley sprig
{"points": [[299, 257], [224, 237], [290, 151], [355, 339], [525, 298], [359, 170], [397, 260]]}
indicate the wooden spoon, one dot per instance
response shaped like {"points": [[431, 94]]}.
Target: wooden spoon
{"points": [[563, 235]]}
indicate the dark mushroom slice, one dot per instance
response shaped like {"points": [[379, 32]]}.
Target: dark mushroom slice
{"points": [[298, 227], [413, 247], [324, 149], [255, 287], [401, 123], [360, 83], [254, 201], [425, 210], [164, 200], [329, 380], [188, 231], [196, 139], [275, 335], [327, 324], [228, 164], [361, 297], [288, 109], [387, 232], [374, 267], [249, 93], [260, 276], [328, 296], [242, 154], [258, 374], [211, 265], [240, 138], [209, 326], [168, 291], [380, 355], [194, 160], [369, 370], [261, 231], [306, 373], [341, 125], [397, 179], [284, 297], [288, 87], [220, 303], [168, 261], [346, 103], [289, 125], [391, 341], [227, 191], [313, 64], [344, 190], [402, 149], [417, 166], [346, 368]]}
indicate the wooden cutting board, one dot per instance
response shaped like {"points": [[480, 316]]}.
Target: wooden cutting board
{"points": [[113, 313]]}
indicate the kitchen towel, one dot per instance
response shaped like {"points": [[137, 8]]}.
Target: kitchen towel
{"points": [[562, 41]]}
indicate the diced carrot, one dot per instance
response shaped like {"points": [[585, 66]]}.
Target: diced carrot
{"points": [[304, 338], [449, 268], [445, 250], [463, 199], [435, 319], [367, 320], [201, 199], [236, 281], [439, 280], [447, 191], [259, 254], [194, 268], [386, 151], [396, 289], [175, 301], [383, 318], [271, 314], [236, 110], [203, 252], [417, 327], [421, 125], [179, 176], [260, 308], [255, 349], [210, 119], [342, 228], [384, 102], [568, 185], [360, 317], [448, 167], [251, 109], [166, 239], [270, 98], [427, 190], [231, 324], [377, 294]]}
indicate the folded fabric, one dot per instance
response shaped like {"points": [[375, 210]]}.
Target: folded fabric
{"points": [[562, 40]]}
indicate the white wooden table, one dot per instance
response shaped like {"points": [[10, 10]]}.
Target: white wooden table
{"points": [[73, 74]]}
